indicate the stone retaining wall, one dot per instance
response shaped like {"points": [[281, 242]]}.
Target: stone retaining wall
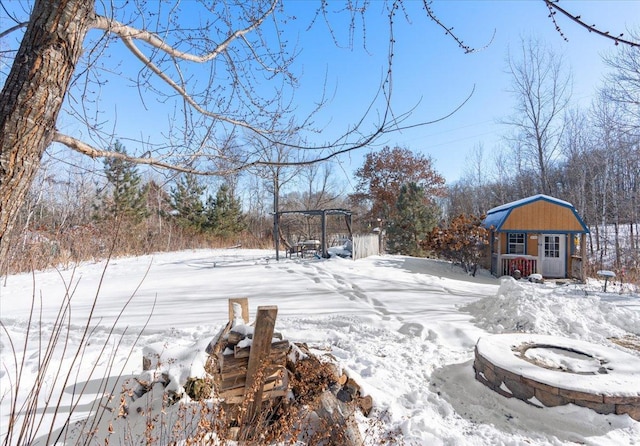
{"points": [[510, 385]]}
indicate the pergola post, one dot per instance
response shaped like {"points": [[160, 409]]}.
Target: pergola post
{"points": [[276, 234], [324, 234]]}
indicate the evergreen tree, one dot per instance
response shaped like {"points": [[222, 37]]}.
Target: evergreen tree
{"points": [[125, 198], [415, 217], [187, 203], [224, 213]]}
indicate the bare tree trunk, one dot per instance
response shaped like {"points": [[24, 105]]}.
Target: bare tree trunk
{"points": [[542, 166], [32, 97], [616, 197], [541, 87], [616, 228], [276, 216], [603, 211]]}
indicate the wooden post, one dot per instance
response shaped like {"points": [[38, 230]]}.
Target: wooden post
{"points": [[499, 271], [323, 238], [583, 255], [260, 349], [244, 304]]}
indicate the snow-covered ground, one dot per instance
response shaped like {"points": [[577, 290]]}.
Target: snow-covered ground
{"points": [[404, 328]]}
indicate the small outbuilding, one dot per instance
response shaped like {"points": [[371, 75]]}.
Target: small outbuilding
{"points": [[537, 235]]}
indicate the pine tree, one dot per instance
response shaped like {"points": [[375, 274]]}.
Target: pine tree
{"points": [[224, 213], [186, 200], [415, 217], [125, 198]]}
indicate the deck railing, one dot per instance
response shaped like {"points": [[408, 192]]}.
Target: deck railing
{"points": [[527, 265]]}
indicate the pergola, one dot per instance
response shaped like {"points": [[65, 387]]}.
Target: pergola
{"points": [[322, 213]]}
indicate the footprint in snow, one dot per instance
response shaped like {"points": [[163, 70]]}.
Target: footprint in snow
{"points": [[411, 329]]}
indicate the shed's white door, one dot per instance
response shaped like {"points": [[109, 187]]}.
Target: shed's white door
{"points": [[553, 250]]}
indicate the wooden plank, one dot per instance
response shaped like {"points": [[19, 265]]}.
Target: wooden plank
{"points": [[215, 346], [260, 349], [244, 306], [277, 348], [280, 389], [240, 381], [241, 369], [230, 362]]}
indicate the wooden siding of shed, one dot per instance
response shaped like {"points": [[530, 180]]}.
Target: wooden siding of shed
{"points": [[542, 216], [532, 245]]}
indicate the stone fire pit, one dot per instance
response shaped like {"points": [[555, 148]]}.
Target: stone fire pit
{"points": [[551, 371]]}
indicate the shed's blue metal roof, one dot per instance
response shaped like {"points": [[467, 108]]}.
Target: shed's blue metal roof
{"points": [[497, 216], [496, 219]]}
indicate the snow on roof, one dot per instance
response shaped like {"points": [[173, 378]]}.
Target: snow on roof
{"points": [[498, 215], [529, 200]]}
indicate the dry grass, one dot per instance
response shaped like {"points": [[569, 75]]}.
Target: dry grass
{"points": [[44, 394], [630, 341], [40, 249]]}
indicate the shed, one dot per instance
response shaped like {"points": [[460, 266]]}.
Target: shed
{"points": [[539, 234]]}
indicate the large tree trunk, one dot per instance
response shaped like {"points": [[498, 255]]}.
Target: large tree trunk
{"points": [[32, 98]]}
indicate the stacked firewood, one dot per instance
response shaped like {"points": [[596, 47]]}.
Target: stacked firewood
{"points": [[231, 357], [267, 386], [249, 362]]}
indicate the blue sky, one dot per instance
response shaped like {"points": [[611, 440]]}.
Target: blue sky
{"points": [[430, 68], [430, 72]]}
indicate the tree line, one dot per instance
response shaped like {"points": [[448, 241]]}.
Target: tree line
{"points": [[587, 157], [398, 192], [116, 210], [84, 214]]}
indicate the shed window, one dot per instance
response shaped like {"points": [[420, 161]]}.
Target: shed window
{"points": [[515, 244]]}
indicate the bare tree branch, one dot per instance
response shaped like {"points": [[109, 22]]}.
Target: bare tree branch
{"points": [[128, 34], [236, 165], [351, 139], [12, 29], [86, 149], [553, 7], [449, 30]]}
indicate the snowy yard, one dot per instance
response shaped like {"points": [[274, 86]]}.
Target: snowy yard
{"points": [[404, 327]]}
